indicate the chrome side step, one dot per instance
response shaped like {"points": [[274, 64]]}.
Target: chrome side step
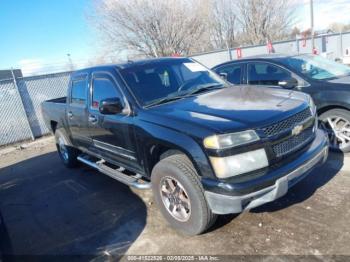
{"points": [[133, 181]]}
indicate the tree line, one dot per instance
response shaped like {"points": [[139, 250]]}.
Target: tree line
{"points": [[155, 28]]}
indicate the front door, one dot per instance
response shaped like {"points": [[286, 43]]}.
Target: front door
{"points": [[112, 135], [260, 73], [234, 72]]}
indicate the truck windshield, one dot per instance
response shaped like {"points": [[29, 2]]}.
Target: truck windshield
{"points": [[317, 67], [170, 79]]}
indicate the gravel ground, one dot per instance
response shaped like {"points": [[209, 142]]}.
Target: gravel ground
{"points": [[47, 209]]}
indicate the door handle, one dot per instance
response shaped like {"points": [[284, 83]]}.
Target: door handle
{"points": [[70, 114], [92, 119]]}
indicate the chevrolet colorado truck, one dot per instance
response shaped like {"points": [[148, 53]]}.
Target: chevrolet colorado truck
{"points": [[205, 147]]}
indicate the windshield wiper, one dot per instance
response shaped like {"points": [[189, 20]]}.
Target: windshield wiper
{"points": [[204, 87], [198, 89], [165, 100]]}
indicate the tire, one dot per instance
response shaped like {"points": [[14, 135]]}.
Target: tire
{"points": [[336, 122], [67, 153], [195, 215]]}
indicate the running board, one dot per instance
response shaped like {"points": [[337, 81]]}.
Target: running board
{"points": [[117, 174]]}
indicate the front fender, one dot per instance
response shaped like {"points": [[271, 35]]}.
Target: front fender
{"points": [[327, 99], [151, 135]]}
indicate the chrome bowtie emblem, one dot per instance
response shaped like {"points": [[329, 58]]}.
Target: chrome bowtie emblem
{"points": [[297, 130]]}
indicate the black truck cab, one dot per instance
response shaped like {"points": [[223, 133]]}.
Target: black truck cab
{"points": [[204, 146]]}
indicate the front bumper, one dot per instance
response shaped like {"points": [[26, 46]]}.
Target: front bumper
{"points": [[292, 173]]}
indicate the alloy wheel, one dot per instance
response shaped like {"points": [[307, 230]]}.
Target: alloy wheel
{"points": [[338, 129], [175, 199]]}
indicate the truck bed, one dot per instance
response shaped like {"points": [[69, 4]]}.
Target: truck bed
{"points": [[54, 110]]}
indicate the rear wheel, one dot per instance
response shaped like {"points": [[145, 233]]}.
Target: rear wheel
{"points": [[336, 123], [67, 153], [180, 196]]}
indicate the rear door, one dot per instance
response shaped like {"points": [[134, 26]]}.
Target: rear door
{"points": [[77, 114], [112, 135]]}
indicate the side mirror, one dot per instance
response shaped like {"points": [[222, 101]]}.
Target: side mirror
{"points": [[289, 83], [223, 75], [111, 106]]}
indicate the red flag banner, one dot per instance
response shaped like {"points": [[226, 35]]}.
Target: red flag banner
{"points": [[270, 47], [304, 39], [239, 53]]}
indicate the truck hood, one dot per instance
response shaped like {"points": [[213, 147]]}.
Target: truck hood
{"points": [[230, 109]]}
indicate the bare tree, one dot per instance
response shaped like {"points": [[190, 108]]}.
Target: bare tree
{"points": [[223, 23], [262, 20], [161, 28], [339, 27], [151, 27], [236, 22]]}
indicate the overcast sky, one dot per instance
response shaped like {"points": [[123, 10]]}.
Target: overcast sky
{"points": [[37, 35], [326, 12]]}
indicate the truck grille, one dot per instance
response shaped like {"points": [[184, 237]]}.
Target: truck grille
{"points": [[288, 123], [293, 143]]}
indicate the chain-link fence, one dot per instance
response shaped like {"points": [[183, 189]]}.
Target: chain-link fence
{"points": [[20, 105], [14, 125], [36, 89]]}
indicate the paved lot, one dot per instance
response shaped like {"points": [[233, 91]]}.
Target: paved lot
{"points": [[48, 209]]}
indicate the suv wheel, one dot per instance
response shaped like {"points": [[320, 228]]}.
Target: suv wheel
{"points": [[336, 123], [67, 153], [180, 196]]}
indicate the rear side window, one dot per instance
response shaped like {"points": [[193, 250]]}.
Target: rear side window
{"points": [[234, 73], [78, 91], [103, 88]]}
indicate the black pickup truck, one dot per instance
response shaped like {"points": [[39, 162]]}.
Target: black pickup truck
{"points": [[205, 147]]}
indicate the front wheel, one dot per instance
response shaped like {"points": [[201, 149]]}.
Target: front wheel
{"points": [[179, 194], [336, 123]]}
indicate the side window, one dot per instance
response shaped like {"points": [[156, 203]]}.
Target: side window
{"points": [[234, 73], [78, 91], [103, 88], [266, 74]]}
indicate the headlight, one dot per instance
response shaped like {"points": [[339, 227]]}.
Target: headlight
{"points": [[230, 140], [225, 167], [312, 106]]}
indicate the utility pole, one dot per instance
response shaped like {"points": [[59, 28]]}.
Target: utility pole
{"points": [[71, 67], [312, 25], [228, 50]]}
